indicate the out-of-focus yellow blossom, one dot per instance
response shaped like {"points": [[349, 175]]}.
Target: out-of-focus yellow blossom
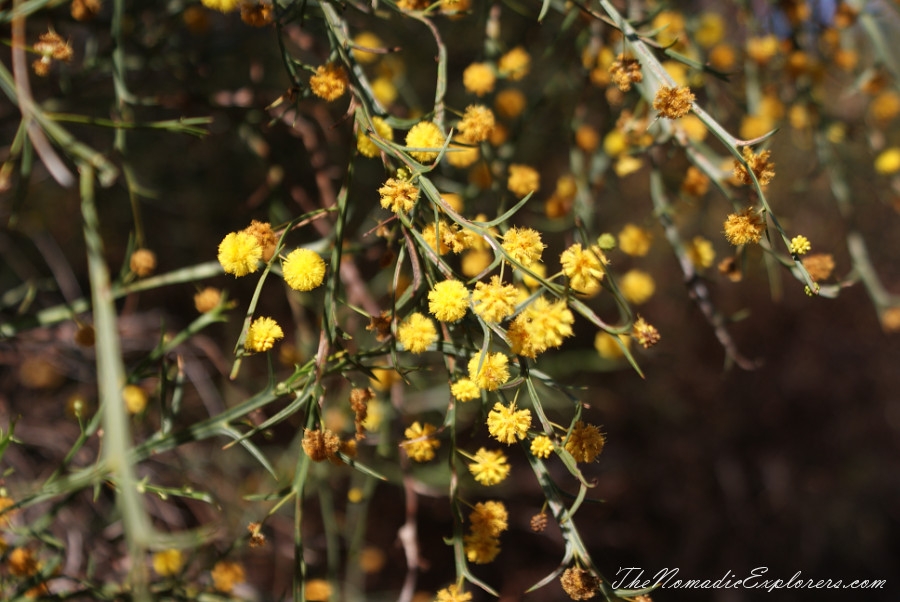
{"points": [[762, 49], [634, 240], [479, 79], [489, 518], [465, 390], [587, 138], [372, 559], [384, 90], [453, 200], [695, 183], [475, 262], [257, 14], [723, 57], [515, 64], [481, 549], [608, 348], [539, 270], [885, 107], [168, 563], [364, 143], [499, 135], [615, 143], [6, 502], [677, 71], [489, 467], [627, 165], [693, 127], [523, 179], [754, 126], [142, 262], [420, 444], [476, 124], [701, 252], [671, 25], [819, 266], [317, 590], [800, 117], [135, 399], [383, 379], [226, 575], [366, 39], [224, 6], [462, 156], [21, 562], [510, 103], [637, 286], [888, 161], [710, 30]]}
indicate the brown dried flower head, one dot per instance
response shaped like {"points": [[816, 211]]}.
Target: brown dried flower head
{"points": [[645, 333], [51, 44], [539, 522], [695, 183], [579, 584], [380, 325], [625, 71], [265, 236], [85, 10], [819, 266], [257, 537], [890, 319], [85, 336], [143, 262], [207, 299], [760, 165], [673, 102], [730, 268], [359, 403], [256, 14], [320, 445]]}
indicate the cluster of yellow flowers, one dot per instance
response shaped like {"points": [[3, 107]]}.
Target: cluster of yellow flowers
{"points": [[486, 522], [241, 253]]}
